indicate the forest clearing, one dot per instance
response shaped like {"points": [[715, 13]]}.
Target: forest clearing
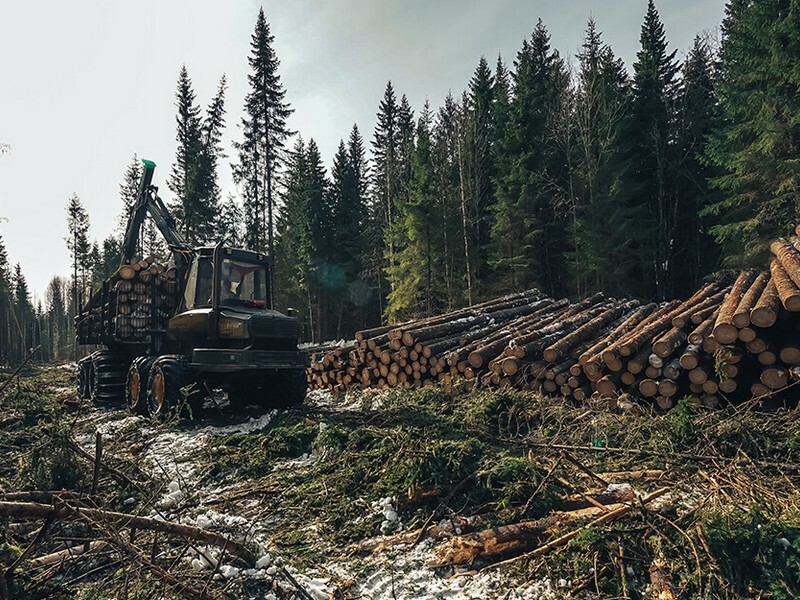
{"points": [[536, 337], [397, 494]]}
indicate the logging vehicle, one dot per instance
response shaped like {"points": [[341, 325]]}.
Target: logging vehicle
{"points": [[170, 334]]}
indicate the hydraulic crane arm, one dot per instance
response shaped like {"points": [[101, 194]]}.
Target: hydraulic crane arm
{"points": [[147, 201]]}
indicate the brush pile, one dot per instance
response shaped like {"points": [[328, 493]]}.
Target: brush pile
{"points": [[139, 298], [726, 342]]}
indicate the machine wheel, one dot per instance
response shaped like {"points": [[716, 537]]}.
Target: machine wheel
{"points": [[85, 378], [136, 385], [108, 376], [286, 388], [169, 376]]}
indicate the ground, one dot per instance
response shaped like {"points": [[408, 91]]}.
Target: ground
{"points": [[372, 495]]}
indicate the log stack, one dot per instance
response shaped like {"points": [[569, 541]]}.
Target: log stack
{"points": [[139, 298], [729, 341]]}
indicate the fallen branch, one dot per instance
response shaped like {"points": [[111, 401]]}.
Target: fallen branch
{"points": [[41, 511], [67, 554], [609, 516]]}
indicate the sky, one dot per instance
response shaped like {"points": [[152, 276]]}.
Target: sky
{"points": [[85, 84]]}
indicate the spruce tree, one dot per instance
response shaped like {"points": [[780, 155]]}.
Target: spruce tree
{"points": [[651, 137], [347, 210], [386, 159], [265, 132], [529, 231], [481, 107], [24, 314], [79, 248], [184, 177], [414, 271], [695, 248], [605, 226], [6, 307], [293, 246], [755, 142]]}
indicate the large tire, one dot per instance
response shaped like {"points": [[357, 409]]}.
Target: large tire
{"points": [[286, 388], [136, 385], [85, 378], [169, 375], [108, 373]]}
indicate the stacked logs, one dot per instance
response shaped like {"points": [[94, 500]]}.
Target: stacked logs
{"points": [[727, 342], [136, 300]]}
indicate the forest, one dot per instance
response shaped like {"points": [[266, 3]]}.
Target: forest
{"points": [[574, 175]]}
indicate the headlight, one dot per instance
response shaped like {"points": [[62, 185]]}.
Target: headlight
{"points": [[231, 328]]}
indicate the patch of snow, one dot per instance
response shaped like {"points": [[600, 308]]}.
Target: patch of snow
{"points": [[407, 577]]}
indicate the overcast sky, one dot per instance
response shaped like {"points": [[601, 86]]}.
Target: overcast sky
{"points": [[85, 84]]}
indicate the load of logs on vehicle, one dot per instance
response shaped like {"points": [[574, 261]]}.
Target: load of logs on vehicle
{"points": [[138, 298], [730, 341]]}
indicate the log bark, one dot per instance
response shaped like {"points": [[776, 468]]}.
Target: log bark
{"points": [[33, 510], [788, 290], [741, 318], [724, 330]]}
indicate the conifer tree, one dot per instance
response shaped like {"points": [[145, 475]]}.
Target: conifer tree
{"points": [[265, 132], [605, 225], [756, 140], [79, 248], [386, 159], [697, 110], [481, 138], [651, 139], [414, 271], [183, 181], [6, 307], [529, 232], [293, 247], [24, 314]]}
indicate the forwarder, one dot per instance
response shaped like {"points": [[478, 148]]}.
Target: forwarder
{"points": [[209, 323]]}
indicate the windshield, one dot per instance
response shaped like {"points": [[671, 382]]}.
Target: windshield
{"points": [[242, 283]]}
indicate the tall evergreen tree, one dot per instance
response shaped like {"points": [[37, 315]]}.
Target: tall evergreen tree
{"points": [[7, 335], [387, 147], [265, 132], [24, 314], [481, 141], [414, 270], [697, 112], [605, 227], [651, 139], [348, 210], [183, 181], [756, 141], [79, 248], [529, 232], [294, 246]]}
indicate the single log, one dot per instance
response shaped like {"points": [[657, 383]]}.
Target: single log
{"points": [[703, 329], [790, 353], [33, 510], [669, 342], [741, 318], [648, 388], [672, 370], [775, 378], [724, 330], [667, 388], [789, 258], [765, 311], [788, 291], [690, 357]]}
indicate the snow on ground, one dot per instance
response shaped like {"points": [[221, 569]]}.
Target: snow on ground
{"points": [[401, 574]]}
